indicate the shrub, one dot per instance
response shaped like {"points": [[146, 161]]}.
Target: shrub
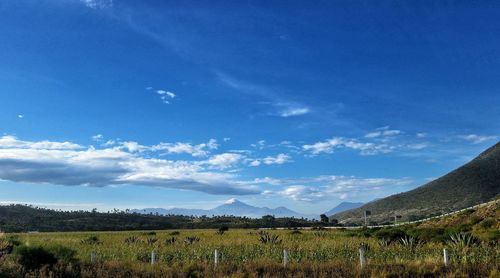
{"points": [[93, 239], [488, 223], [32, 258], [390, 234], [222, 230], [63, 254]]}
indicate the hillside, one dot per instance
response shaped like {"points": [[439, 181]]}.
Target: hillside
{"points": [[343, 207], [475, 182]]}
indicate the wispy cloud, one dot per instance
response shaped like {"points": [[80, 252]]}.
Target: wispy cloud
{"points": [[383, 132], [97, 138], [181, 147], [365, 148], [294, 111], [283, 107], [9, 141], [97, 4], [477, 139], [337, 187], [166, 96]]}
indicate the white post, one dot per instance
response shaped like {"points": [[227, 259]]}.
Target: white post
{"points": [[93, 257], [153, 257], [446, 257], [285, 257], [216, 256], [362, 259]]}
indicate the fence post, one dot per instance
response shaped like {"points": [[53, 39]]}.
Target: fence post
{"points": [[93, 257], [216, 256], [362, 259], [446, 257], [285, 257], [153, 257]]}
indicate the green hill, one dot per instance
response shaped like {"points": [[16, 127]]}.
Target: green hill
{"points": [[475, 182]]}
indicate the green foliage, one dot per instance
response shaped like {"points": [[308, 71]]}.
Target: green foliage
{"points": [[33, 257], [267, 238], [20, 218], [62, 253], [92, 239], [462, 241], [132, 240], [191, 239], [488, 223]]}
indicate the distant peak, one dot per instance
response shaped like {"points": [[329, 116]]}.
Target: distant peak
{"points": [[232, 201]]}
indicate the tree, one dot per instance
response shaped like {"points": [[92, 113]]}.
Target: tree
{"points": [[324, 219]]}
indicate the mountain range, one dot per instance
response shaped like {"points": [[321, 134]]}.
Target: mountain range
{"points": [[476, 182], [230, 207], [238, 208]]}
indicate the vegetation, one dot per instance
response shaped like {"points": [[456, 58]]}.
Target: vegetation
{"points": [[20, 218], [243, 252], [476, 182]]}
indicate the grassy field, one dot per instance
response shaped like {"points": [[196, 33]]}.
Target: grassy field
{"points": [[243, 252]]}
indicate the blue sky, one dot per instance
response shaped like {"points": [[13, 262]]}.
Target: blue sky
{"points": [[131, 104]]}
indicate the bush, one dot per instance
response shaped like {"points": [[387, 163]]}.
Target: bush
{"points": [[63, 254], [32, 258], [488, 223], [390, 234]]}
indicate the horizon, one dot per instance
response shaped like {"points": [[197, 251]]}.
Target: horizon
{"points": [[131, 105]]}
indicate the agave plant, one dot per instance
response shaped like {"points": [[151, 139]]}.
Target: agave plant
{"points": [[384, 242], [410, 243], [267, 238], [461, 241], [132, 240], [170, 241], [191, 239], [151, 240]]}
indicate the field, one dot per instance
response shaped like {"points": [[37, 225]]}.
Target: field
{"points": [[254, 253]]}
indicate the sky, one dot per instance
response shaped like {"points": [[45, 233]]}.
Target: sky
{"points": [[305, 104]]}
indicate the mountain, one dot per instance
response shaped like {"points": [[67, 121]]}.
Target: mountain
{"points": [[343, 207], [230, 207], [475, 182]]}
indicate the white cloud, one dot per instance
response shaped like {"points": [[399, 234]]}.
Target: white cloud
{"points": [[166, 96], [180, 147], [97, 137], [269, 160], [97, 4], [9, 141], [223, 161], [383, 132], [283, 107], [337, 187], [279, 159], [294, 111], [340, 142], [421, 135], [477, 139], [64, 164], [133, 147], [20, 116]]}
